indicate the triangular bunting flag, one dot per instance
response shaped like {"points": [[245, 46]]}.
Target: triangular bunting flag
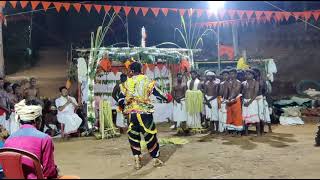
{"points": [[66, 6], [155, 11], [199, 12], [296, 15], [165, 11], [144, 10], [240, 13], [57, 5], [45, 5], [249, 14], [173, 9], [77, 6], [231, 13], [107, 8], [136, 10], [3, 3], [287, 15], [182, 11], [34, 4], [221, 13], [268, 15], [24, 4], [307, 15], [126, 10], [13, 3], [209, 13], [160, 66], [151, 67], [88, 7], [190, 12], [316, 15], [116, 9], [97, 7], [278, 16], [258, 15]]}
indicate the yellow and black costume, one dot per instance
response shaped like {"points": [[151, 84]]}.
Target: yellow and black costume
{"points": [[135, 101]]}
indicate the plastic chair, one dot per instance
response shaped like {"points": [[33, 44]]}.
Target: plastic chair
{"points": [[10, 159]]}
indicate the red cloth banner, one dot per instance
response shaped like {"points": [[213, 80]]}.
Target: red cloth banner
{"points": [[226, 50], [316, 15]]}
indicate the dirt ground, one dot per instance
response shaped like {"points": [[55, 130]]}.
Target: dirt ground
{"points": [[288, 152]]}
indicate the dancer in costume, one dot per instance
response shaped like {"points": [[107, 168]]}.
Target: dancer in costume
{"points": [[120, 119], [134, 99]]}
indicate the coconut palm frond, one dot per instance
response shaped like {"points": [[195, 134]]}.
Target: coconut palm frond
{"points": [[168, 43], [200, 39], [183, 37]]}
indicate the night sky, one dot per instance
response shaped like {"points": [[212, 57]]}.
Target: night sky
{"points": [[61, 29]]}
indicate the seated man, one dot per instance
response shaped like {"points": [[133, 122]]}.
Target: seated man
{"points": [[66, 113], [28, 138], [51, 125]]}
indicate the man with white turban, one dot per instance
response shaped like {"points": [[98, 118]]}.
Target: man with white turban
{"points": [[29, 139], [211, 93]]}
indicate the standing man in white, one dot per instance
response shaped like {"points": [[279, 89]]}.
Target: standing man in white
{"points": [[66, 112]]}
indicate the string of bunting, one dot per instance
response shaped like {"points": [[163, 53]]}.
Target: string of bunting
{"points": [[259, 16]]}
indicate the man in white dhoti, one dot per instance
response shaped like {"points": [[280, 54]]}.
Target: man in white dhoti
{"points": [[250, 110], [66, 112], [194, 102], [264, 113], [211, 101], [179, 109], [223, 97]]}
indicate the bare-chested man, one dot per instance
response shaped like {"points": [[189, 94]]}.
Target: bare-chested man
{"points": [[234, 115], [224, 94], [264, 113], [33, 92], [120, 120], [194, 89], [203, 79], [211, 89], [179, 92], [250, 110]]}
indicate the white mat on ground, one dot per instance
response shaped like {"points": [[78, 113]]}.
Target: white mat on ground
{"points": [[291, 120]]}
